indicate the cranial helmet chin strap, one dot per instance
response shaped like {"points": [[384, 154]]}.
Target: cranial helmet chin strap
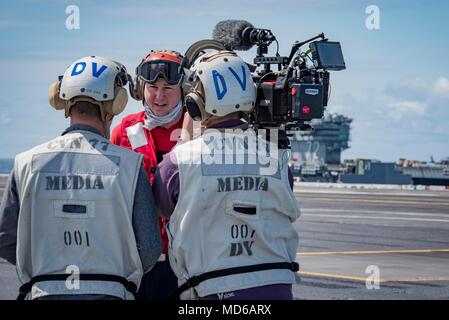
{"points": [[207, 118]]}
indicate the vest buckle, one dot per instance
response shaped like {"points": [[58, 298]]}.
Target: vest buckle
{"points": [[131, 287], [193, 281], [25, 289], [294, 266]]}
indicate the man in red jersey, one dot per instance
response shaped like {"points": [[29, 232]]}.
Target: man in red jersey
{"points": [[154, 132]]}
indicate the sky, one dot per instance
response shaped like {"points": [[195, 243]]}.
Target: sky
{"points": [[395, 86]]}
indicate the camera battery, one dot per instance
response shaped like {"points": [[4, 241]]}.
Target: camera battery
{"points": [[307, 101]]}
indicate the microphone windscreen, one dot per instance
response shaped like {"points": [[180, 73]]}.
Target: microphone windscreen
{"points": [[229, 33]]}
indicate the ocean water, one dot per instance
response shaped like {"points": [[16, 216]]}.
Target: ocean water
{"points": [[6, 165]]}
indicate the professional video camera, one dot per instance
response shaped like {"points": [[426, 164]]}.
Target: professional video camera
{"points": [[289, 98], [299, 90]]}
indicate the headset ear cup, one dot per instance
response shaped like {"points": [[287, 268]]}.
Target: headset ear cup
{"points": [[120, 100], [53, 96], [194, 104], [140, 89], [136, 89]]}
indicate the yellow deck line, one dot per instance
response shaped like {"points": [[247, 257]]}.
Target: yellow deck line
{"points": [[416, 280], [337, 276], [371, 252], [304, 273], [431, 203]]}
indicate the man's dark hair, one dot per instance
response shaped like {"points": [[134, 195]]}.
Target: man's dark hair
{"points": [[86, 109]]}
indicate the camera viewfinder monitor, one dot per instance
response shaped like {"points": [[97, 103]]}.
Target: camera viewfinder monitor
{"points": [[327, 55]]}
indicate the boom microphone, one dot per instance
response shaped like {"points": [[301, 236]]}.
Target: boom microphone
{"points": [[230, 34]]}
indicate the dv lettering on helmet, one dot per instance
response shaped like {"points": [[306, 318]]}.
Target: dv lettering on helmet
{"points": [[224, 89], [79, 68]]}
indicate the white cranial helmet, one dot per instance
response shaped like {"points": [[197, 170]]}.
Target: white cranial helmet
{"points": [[94, 79], [222, 84]]}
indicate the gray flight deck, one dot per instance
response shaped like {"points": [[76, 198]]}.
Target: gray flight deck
{"points": [[349, 235], [345, 234]]}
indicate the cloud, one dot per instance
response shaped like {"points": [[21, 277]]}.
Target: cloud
{"points": [[401, 108], [10, 24], [419, 98], [194, 8], [5, 110], [403, 119], [13, 19], [420, 89], [150, 10], [441, 87]]}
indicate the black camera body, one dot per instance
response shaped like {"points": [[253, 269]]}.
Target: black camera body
{"points": [[292, 96], [298, 92], [299, 102]]}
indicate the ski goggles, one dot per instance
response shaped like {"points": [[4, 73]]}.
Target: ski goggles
{"points": [[170, 71]]}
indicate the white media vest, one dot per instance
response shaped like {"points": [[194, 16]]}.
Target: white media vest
{"points": [[76, 197], [230, 215]]}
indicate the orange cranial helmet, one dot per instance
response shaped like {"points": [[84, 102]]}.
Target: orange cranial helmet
{"points": [[166, 64]]}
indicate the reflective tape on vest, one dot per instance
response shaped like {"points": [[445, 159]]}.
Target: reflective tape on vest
{"points": [[136, 136]]}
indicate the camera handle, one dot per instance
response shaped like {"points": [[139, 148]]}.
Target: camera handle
{"points": [[298, 45]]}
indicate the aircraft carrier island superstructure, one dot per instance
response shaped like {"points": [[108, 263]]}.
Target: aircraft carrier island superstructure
{"points": [[316, 155]]}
